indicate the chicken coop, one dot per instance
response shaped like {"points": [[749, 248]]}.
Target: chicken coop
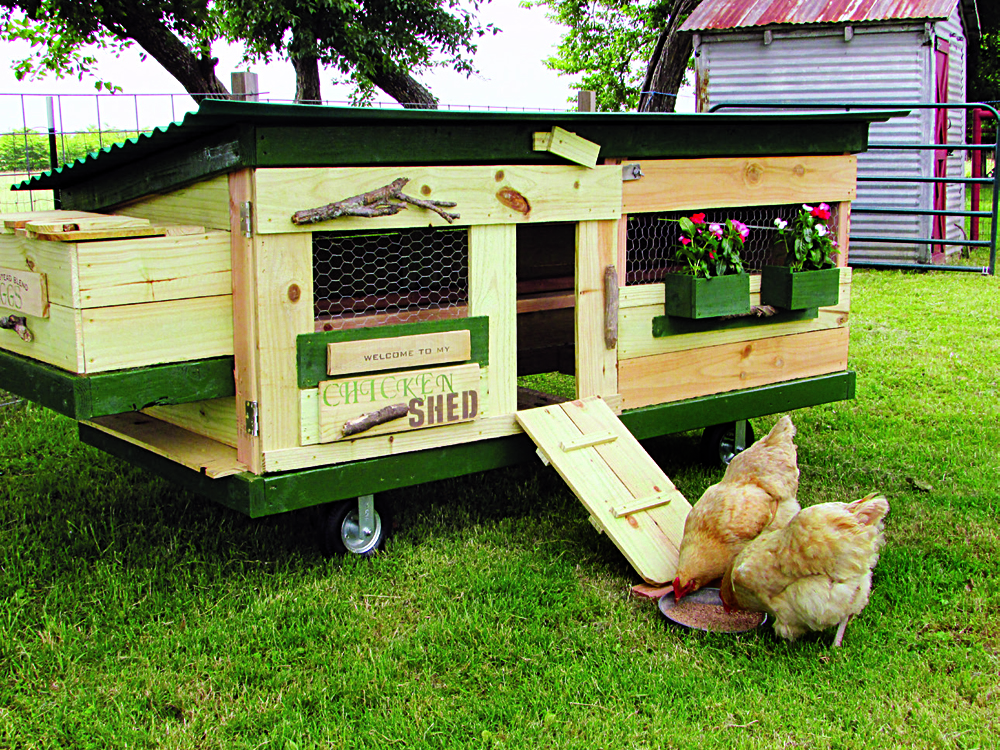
{"points": [[282, 306]]}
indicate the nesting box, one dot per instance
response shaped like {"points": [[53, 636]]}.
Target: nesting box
{"points": [[348, 301]]}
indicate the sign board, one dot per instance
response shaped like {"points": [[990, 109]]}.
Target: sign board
{"points": [[373, 355], [433, 397], [24, 292]]}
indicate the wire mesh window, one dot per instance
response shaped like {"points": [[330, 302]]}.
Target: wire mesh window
{"points": [[369, 279], [653, 239]]}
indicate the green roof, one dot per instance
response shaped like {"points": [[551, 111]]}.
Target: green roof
{"points": [[222, 136]]}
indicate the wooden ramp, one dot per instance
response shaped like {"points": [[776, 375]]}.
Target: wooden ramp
{"points": [[628, 496]]}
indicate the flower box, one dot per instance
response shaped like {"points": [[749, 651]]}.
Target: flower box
{"points": [[798, 290], [694, 297]]}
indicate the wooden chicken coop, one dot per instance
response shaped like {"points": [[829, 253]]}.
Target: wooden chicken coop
{"points": [[281, 306]]}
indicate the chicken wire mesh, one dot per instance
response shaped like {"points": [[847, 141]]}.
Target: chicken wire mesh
{"points": [[369, 279], [653, 239]]}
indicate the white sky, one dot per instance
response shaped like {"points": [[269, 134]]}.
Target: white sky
{"points": [[511, 75]]}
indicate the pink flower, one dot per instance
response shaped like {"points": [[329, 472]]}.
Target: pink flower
{"points": [[711, 255], [698, 219], [716, 229], [740, 227], [685, 240]]}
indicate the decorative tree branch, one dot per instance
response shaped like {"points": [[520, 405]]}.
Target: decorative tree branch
{"points": [[378, 202], [18, 325], [374, 418]]}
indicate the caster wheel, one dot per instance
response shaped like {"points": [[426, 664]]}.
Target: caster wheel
{"points": [[343, 530], [718, 443]]}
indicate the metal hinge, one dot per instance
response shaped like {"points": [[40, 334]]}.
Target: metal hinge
{"points": [[631, 172], [246, 218], [252, 424]]}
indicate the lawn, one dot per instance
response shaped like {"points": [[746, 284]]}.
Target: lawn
{"points": [[133, 614]]}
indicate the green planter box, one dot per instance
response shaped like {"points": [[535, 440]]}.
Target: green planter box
{"points": [[690, 297], [779, 287]]}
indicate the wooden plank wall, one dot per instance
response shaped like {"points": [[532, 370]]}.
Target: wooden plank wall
{"points": [[204, 203], [484, 194]]}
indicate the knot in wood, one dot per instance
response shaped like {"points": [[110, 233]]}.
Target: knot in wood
{"points": [[754, 173]]}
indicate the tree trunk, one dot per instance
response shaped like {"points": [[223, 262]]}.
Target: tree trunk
{"points": [[307, 82], [195, 73], [404, 89], [302, 53], [667, 66]]}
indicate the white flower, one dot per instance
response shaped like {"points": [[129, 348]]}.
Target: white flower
{"points": [[807, 207], [780, 223], [821, 230]]}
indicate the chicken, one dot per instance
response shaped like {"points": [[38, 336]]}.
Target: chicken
{"points": [[814, 573], [758, 489]]}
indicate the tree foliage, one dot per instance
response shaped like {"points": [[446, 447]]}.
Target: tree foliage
{"points": [[374, 43], [371, 43], [622, 48], [23, 151], [984, 60]]}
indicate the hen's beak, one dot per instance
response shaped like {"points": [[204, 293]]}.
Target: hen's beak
{"points": [[679, 589]]}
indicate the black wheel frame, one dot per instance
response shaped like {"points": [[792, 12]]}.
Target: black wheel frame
{"points": [[341, 533], [718, 443]]}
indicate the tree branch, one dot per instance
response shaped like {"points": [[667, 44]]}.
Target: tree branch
{"points": [[378, 202]]}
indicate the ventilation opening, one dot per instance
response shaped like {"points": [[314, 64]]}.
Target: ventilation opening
{"points": [[653, 239], [370, 279]]}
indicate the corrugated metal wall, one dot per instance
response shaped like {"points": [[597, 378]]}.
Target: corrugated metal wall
{"points": [[886, 64]]}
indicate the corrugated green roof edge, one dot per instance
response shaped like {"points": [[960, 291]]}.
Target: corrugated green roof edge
{"points": [[214, 116]]}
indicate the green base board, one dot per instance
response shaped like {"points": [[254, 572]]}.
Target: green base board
{"points": [[88, 396], [276, 493]]}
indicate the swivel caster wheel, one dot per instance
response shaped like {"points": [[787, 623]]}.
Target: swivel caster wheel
{"points": [[719, 443], [354, 527]]}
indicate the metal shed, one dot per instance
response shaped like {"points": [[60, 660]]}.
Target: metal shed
{"points": [[860, 51]]}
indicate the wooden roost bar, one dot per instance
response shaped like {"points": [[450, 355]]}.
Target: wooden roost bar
{"points": [[281, 306]]}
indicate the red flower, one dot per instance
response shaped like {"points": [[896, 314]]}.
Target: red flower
{"points": [[822, 211], [698, 219], [685, 241], [711, 255]]}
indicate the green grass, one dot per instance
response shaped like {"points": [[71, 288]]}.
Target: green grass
{"points": [[133, 614]]}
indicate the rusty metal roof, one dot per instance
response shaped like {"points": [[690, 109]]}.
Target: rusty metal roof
{"points": [[735, 14]]}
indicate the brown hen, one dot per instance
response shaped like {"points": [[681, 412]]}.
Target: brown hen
{"points": [[758, 490]]}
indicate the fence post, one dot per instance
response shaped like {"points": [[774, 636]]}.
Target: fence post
{"points": [[586, 101], [53, 148], [245, 87]]}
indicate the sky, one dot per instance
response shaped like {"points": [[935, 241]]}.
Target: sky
{"points": [[512, 74]]}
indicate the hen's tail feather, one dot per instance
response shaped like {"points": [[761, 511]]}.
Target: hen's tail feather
{"points": [[783, 430], [871, 509]]}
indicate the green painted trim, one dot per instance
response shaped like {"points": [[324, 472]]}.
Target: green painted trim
{"points": [[88, 396], [162, 172], [311, 347], [241, 492], [301, 489], [691, 414], [668, 325], [276, 493]]}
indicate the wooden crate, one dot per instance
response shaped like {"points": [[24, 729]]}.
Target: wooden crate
{"points": [[114, 298]]}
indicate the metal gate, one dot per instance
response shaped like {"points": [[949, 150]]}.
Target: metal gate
{"points": [[936, 212]]}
